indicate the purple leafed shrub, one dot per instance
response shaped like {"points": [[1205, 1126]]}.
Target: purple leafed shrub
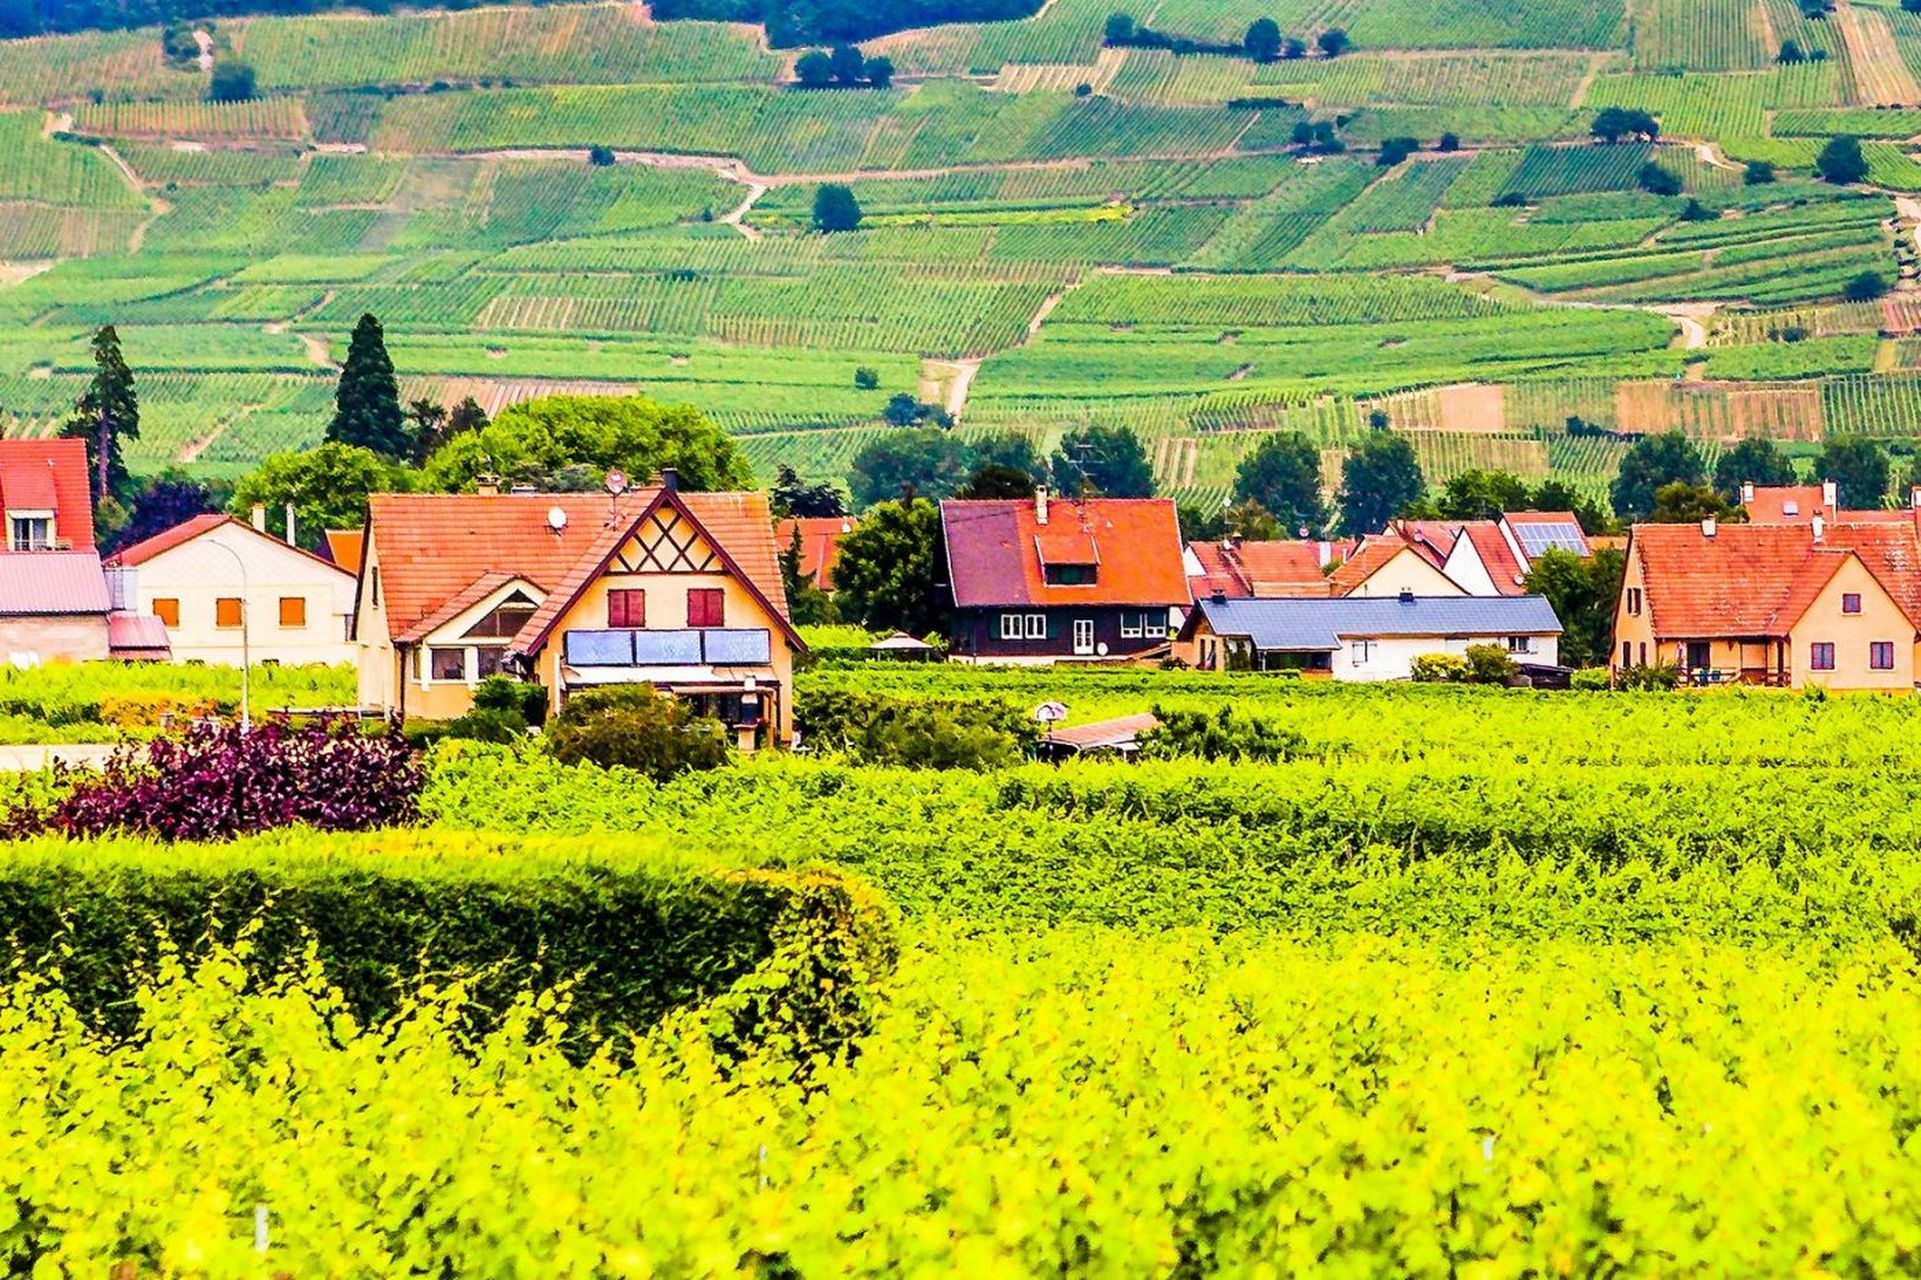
{"points": [[216, 782]]}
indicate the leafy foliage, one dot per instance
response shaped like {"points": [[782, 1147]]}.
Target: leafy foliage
{"points": [[1223, 735], [1283, 474], [1584, 593], [1108, 461], [1653, 462], [327, 485], [1379, 477], [916, 733], [891, 574], [107, 416], [1860, 469], [541, 441], [836, 208], [633, 727]]}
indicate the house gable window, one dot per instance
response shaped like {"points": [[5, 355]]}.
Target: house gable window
{"points": [[626, 607], [1821, 655], [1851, 602], [1634, 601], [706, 607], [1069, 575], [30, 531], [167, 609], [505, 620], [1881, 655]]}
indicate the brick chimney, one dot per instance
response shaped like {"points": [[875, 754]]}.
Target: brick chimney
{"points": [[1830, 495], [1040, 504], [1747, 491], [260, 516], [1708, 528]]}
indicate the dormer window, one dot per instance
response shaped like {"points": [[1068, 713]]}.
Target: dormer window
{"points": [[29, 530], [1070, 575], [506, 620]]}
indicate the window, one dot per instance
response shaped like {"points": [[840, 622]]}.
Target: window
{"points": [[706, 607], [505, 621], [1627, 653], [448, 664], [1010, 626], [1634, 600], [627, 607], [1037, 626], [1155, 625], [1520, 644], [1851, 603], [1069, 575], [167, 610], [226, 611], [1132, 624], [1363, 650], [1821, 655], [30, 533], [1644, 653], [493, 660], [293, 611], [1881, 655], [373, 578]]}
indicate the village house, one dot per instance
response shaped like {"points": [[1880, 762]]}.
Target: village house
{"points": [[819, 541], [1363, 638], [1048, 579], [681, 591], [222, 588], [1790, 604], [57, 602], [1802, 503]]}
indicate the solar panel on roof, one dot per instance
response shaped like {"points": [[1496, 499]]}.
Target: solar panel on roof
{"points": [[1563, 535]]}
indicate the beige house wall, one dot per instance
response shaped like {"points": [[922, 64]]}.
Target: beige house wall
{"points": [[1851, 634], [198, 573], [59, 637], [1406, 570]]}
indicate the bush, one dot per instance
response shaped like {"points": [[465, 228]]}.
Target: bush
{"points": [[1490, 664], [1439, 668], [1865, 287], [920, 733], [217, 781], [836, 208], [1395, 150], [866, 379], [1448, 142], [1759, 173], [1659, 180], [1220, 736], [1658, 678], [1591, 680], [230, 82], [636, 728], [600, 157], [637, 929]]}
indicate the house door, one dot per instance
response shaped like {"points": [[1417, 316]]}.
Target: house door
{"points": [[1698, 655], [1083, 636]]}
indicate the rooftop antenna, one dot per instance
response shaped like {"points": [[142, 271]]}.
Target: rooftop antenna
{"points": [[616, 485]]}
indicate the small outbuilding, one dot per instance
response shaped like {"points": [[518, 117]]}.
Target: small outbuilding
{"points": [[1363, 638]]}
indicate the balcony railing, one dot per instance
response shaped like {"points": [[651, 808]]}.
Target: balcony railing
{"points": [[691, 647]]}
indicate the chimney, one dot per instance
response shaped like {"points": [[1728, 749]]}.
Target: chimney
{"points": [[260, 516], [670, 479], [1407, 596], [1325, 550], [487, 485], [1219, 596], [290, 527], [1820, 528], [1830, 495], [522, 490], [1914, 497], [1040, 504], [1708, 527], [1747, 492]]}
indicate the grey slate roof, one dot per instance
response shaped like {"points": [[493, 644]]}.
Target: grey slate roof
{"points": [[1316, 625]]}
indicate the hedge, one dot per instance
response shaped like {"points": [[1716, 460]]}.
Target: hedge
{"points": [[637, 932]]}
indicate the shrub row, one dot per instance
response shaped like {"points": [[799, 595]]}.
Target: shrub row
{"points": [[635, 930]]}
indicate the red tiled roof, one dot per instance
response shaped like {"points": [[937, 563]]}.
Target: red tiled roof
{"points": [[1770, 505], [1757, 580], [819, 544], [167, 539], [1502, 565], [192, 527], [435, 547], [1243, 570], [996, 549], [137, 635], [344, 547], [455, 605], [1367, 559], [1432, 539], [52, 582], [49, 475]]}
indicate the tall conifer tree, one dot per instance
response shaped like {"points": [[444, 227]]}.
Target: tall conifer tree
{"points": [[105, 415], [367, 404]]}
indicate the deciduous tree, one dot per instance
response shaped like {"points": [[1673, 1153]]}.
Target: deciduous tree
{"points": [[1651, 463], [835, 208], [535, 442], [1859, 468], [1283, 474], [327, 485], [890, 574], [1583, 593], [1754, 460], [1108, 461], [1379, 476], [1263, 40]]}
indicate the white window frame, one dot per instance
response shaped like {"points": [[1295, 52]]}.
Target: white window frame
{"points": [[1133, 625], [1520, 644], [1084, 626], [1011, 626], [44, 539], [1154, 625], [1037, 626], [1363, 651]]}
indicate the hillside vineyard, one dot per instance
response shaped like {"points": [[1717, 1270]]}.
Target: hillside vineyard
{"points": [[1067, 220]]}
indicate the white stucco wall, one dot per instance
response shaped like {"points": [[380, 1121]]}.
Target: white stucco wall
{"points": [[198, 573], [1394, 659]]}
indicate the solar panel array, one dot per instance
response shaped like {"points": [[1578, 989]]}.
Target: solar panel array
{"points": [[1559, 535]]}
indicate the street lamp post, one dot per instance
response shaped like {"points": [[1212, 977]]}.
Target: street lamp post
{"points": [[246, 657]]}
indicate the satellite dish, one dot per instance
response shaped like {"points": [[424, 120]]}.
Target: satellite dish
{"points": [[616, 482], [556, 519], [1101, 648], [1051, 712]]}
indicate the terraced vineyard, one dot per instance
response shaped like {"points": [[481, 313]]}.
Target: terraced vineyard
{"points": [[1113, 234]]}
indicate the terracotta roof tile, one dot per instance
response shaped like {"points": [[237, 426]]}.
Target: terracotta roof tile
{"points": [[995, 552], [819, 544], [1758, 579], [1367, 560], [1502, 565], [167, 539], [1265, 569], [432, 547], [42, 475]]}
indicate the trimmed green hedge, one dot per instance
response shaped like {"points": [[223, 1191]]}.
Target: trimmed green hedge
{"points": [[638, 932]]}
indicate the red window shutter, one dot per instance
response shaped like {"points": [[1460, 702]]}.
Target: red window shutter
{"points": [[626, 607], [706, 607]]}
